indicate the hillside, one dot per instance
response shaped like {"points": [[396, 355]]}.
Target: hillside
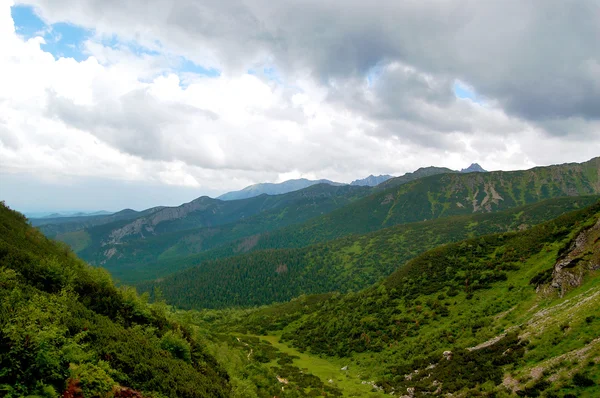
{"points": [[100, 234], [64, 327], [346, 264], [511, 314]]}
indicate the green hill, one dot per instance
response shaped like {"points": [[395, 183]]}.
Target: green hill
{"points": [[65, 328], [510, 314], [347, 264]]}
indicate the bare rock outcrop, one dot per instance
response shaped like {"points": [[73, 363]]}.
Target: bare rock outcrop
{"points": [[582, 255]]}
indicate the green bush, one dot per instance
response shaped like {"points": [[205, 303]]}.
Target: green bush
{"points": [[95, 380], [179, 347]]}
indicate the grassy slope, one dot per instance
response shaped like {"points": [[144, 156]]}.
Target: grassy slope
{"points": [[391, 331], [350, 263]]}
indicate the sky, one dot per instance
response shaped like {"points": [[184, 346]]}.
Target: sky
{"points": [[108, 104]]}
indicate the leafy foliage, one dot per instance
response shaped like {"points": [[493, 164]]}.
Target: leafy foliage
{"points": [[62, 320]]}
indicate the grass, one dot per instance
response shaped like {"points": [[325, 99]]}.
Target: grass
{"points": [[348, 381]]}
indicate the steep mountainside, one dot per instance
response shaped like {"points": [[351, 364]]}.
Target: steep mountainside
{"points": [[511, 314], [66, 330], [343, 265], [274, 188]]}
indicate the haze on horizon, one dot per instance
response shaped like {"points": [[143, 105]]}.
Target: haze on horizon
{"points": [[108, 105]]}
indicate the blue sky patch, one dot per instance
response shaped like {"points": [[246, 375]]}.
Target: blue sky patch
{"points": [[462, 90], [66, 40], [62, 39], [27, 23], [187, 66], [374, 73]]}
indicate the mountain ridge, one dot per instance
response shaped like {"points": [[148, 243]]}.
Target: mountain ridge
{"points": [[372, 180], [270, 188]]}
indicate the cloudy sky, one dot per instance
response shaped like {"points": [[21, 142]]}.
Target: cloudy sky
{"points": [[106, 104]]}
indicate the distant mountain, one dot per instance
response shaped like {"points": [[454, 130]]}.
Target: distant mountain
{"points": [[77, 214], [274, 188], [437, 196], [199, 225], [53, 225], [45, 214], [408, 177], [372, 180], [473, 168]]}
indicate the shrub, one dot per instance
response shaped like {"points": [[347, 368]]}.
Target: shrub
{"points": [[94, 380], [581, 380], [174, 343]]}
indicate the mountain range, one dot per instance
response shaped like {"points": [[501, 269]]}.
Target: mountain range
{"points": [[157, 242], [294, 185]]}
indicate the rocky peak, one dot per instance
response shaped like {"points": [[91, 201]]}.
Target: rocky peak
{"points": [[474, 168]]}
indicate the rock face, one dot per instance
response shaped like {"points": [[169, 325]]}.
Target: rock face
{"points": [[147, 224], [581, 256]]}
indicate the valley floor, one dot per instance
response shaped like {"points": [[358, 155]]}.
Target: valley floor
{"points": [[329, 370]]}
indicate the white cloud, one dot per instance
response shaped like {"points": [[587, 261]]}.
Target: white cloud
{"points": [[129, 116]]}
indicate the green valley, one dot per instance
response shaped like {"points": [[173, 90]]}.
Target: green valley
{"points": [[477, 284]]}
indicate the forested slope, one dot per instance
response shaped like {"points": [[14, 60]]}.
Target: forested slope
{"points": [[64, 327], [343, 265]]}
